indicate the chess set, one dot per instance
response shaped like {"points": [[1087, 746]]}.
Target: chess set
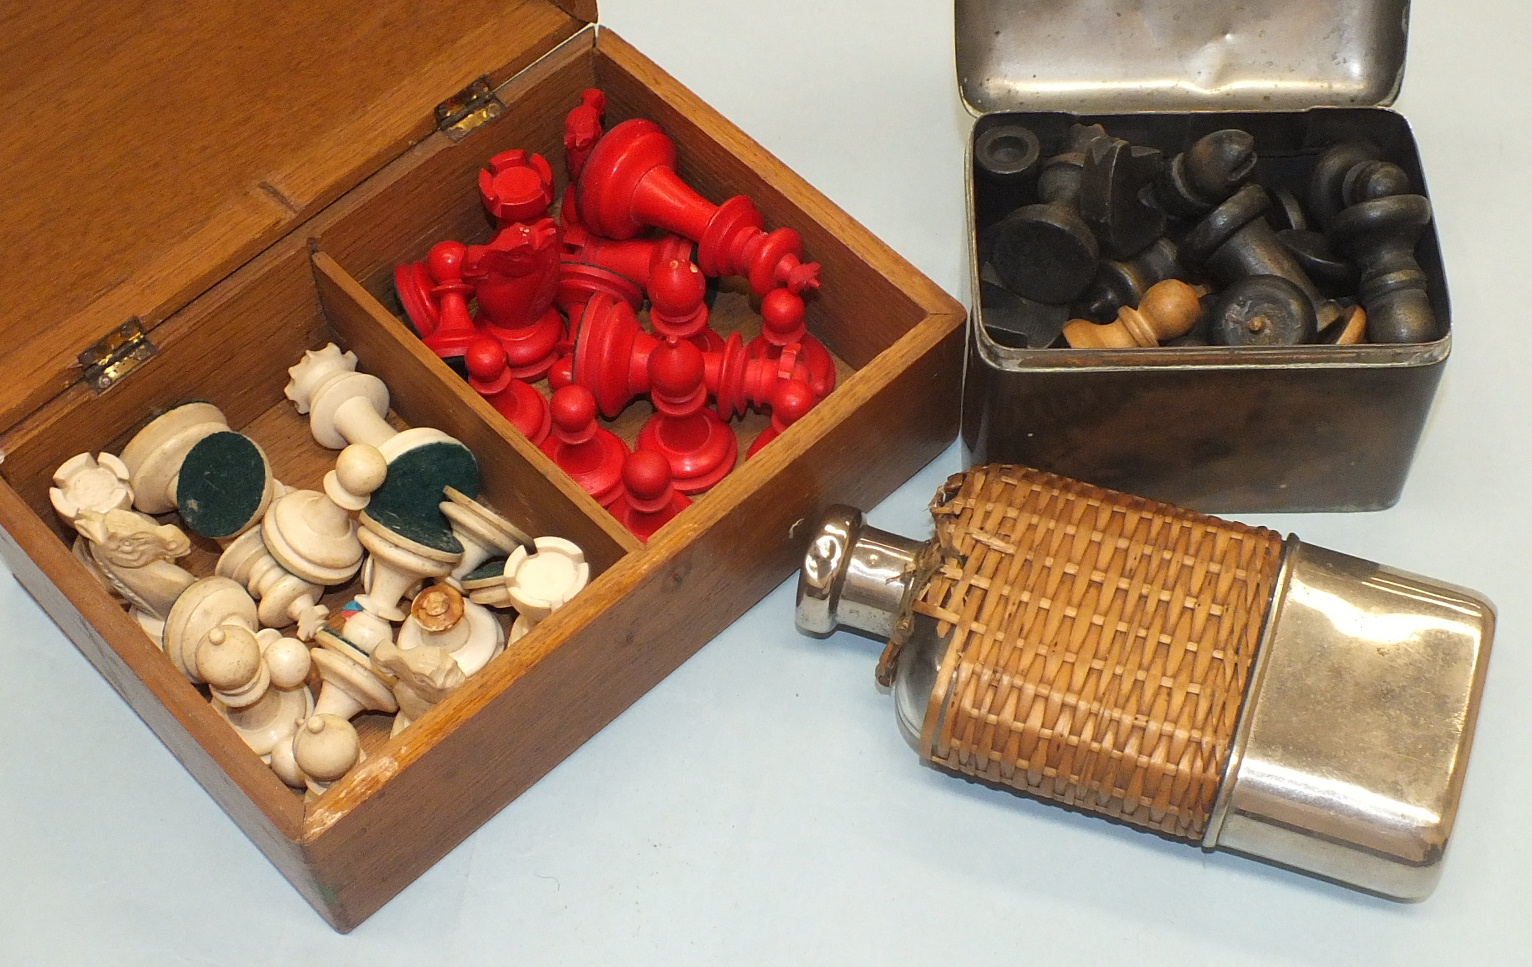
{"points": [[425, 435], [312, 610]]}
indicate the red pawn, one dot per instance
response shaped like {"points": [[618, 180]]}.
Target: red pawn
{"points": [[678, 305], [611, 354], [455, 328], [791, 403], [413, 283], [700, 447], [783, 325], [517, 187], [588, 452], [521, 405], [629, 183], [582, 129], [649, 498]]}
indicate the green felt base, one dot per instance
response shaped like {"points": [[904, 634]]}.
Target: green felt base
{"points": [[409, 500], [492, 568], [222, 485]]}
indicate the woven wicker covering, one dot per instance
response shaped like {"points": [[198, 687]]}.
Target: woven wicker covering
{"points": [[1101, 643]]}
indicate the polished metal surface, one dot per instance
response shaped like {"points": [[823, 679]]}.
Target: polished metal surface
{"points": [[1109, 56], [919, 662], [1355, 738], [853, 575]]}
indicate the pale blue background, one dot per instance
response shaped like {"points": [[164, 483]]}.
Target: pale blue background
{"points": [[759, 807]]}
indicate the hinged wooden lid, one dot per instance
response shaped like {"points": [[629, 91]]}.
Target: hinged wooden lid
{"points": [[149, 150]]}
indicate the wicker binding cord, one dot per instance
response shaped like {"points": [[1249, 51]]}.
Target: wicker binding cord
{"points": [[1100, 643]]}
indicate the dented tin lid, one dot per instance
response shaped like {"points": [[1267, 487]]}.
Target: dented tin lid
{"points": [[1117, 56]]}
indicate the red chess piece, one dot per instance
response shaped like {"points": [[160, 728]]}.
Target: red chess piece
{"points": [[700, 447], [782, 325], [582, 129], [587, 451], [521, 405], [517, 187], [611, 354], [515, 278], [622, 269], [562, 373], [629, 183], [678, 305], [649, 498], [791, 403], [455, 328], [739, 383], [414, 284]]}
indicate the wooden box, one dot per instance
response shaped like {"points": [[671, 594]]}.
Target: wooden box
{"points": [[238, 192]]}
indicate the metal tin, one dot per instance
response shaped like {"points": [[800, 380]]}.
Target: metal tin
{"points": [[1312, 428]]}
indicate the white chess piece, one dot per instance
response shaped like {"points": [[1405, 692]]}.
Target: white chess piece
{"points": [[257, 683], [396, 565], [209, 604], [305, 543], [84, 482], [422, 677], [135, 556], [325, 748], [155, 454], [440, 617], [350, 687], [538, 583], [483, 533]]}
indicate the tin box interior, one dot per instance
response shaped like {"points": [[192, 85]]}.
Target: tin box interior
{"points": [[1310, 428]]}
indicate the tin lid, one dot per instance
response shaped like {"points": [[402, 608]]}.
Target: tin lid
{"points": [[148, 154], [1352, 747], [1119, 56]]}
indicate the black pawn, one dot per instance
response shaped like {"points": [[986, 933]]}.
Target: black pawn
{"points": [[1379, 235], [1234, 242], [1262, 310], [1203, 176]]}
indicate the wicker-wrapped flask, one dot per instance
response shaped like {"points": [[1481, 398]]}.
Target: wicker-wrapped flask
{"points": [[1197, 677]]}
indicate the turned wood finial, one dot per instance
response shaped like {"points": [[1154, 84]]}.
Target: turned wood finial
{"points": [[1169, 309]]}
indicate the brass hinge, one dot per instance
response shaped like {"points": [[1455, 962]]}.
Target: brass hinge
{"points": [[123, 349], [468, 110]]}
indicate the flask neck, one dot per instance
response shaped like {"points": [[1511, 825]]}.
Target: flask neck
{"points": [[854, 576]]}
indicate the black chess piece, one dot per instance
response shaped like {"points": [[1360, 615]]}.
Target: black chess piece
{"points": [[1287, 212], [1007, 154], [1019, 323], [1332, 274], [1379, 233], [1234, 242], [1046, 252], [1328, 179], [1203, 176], [1123, 283], [1114, 197], [1262, 310]]}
